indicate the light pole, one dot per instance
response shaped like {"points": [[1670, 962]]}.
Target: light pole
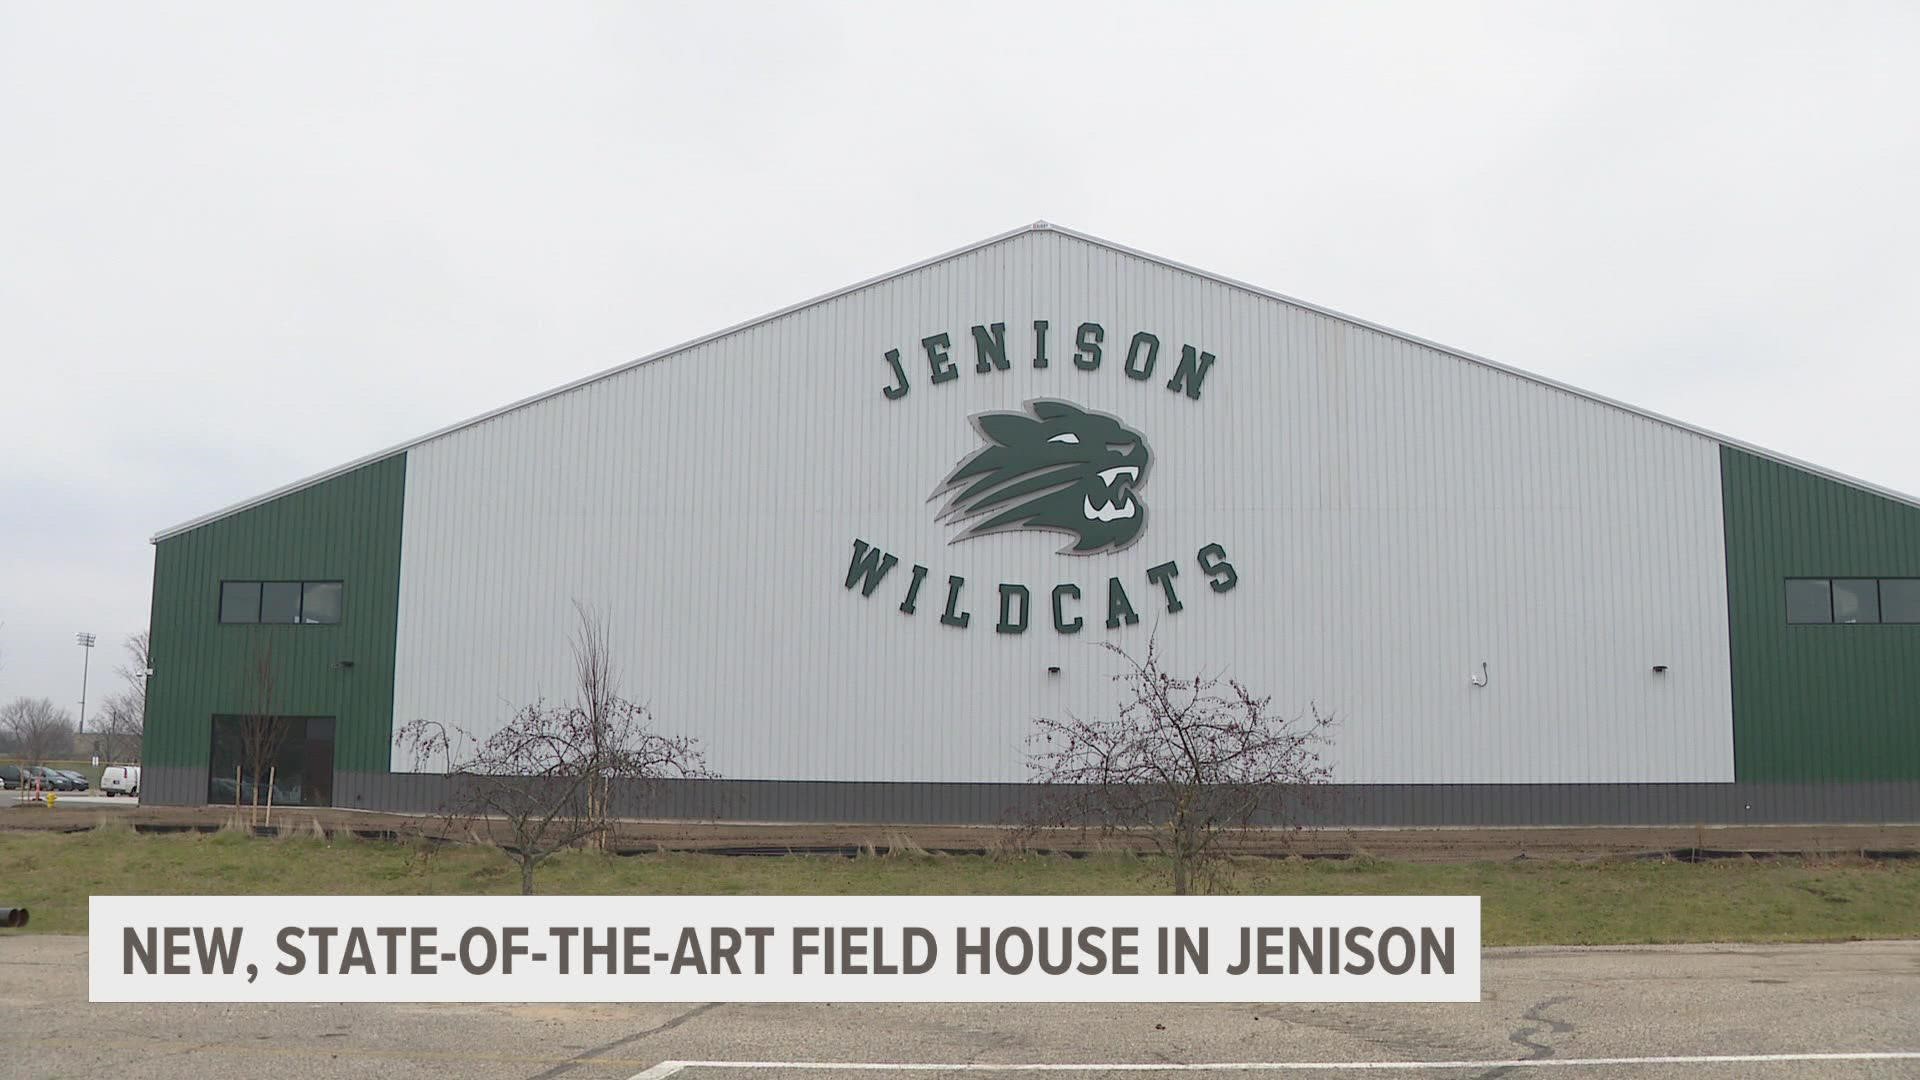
{"points": [[85, 641]]}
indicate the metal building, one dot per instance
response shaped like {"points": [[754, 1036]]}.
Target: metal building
{"points": [[857, 545]]}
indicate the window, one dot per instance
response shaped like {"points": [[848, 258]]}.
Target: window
{"points": [[1853, 601], [321, 602], [313, 602], [1900, 600], [1809, 600], [280, 601], [292, 754], [239, 601], [1856, 600]]}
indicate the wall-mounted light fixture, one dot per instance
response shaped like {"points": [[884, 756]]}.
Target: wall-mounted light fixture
{"points": [[1659, 669], [1053, 669]]}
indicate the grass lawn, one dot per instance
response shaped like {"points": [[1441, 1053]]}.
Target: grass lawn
{"points": [[1524, 903]]}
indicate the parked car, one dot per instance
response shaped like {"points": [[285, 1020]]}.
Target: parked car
{"points": [[11, 777], [51, 779], [120, 780], [79, 778]]}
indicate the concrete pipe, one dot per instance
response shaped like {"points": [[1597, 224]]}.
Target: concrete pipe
{"points": [[13, 916]]}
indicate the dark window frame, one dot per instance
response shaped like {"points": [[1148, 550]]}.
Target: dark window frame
{"points": [[1884, 621], [299, 597], [305, 585], [1787, 612], [220, 603], [259, 603], [1879, 596], [1871, 591]]}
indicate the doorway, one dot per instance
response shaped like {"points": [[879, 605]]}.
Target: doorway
{"points": [[285, 759]]}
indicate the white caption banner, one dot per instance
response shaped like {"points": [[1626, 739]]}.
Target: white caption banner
{"points": [[784, 948]]}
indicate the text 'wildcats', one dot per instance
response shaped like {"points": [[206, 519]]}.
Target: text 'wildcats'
{"points": [[870, 566]]}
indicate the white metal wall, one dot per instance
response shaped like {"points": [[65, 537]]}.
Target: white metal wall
{"points": [[1397, 517]]}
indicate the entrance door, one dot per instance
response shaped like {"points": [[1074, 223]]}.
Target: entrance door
{"points": [[316, 788], [288, 759]]}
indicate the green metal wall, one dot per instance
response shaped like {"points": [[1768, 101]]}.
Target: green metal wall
{"points": [[1811, 703], [1816, 702], [346, 529]]}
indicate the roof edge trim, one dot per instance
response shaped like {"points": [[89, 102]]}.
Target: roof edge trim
{"points": [[1529, 376], [1000, 238], [534, 399]]}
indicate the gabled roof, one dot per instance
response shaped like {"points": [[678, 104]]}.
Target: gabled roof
{"points": [[1038, 226]]}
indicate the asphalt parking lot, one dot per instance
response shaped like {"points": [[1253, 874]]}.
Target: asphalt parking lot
{"points": [[1696, 1012], [70, 800]]}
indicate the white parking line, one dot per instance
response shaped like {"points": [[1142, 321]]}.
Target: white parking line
{"points": [[669, 1068]]}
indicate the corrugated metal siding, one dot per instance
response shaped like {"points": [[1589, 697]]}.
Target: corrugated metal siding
{"points": [[174, 785], [347, 529], [1397, 516], [1817, 702]]}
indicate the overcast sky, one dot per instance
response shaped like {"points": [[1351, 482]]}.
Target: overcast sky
{"points": [[240, 244]]}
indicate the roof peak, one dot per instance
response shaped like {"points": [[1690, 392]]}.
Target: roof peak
{"points": [[1040, 225]]}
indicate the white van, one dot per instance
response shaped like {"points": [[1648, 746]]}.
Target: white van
{"points": [[120, 780]]}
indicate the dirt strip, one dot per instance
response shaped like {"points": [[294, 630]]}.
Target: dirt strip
{"points": [[1418, 845]]}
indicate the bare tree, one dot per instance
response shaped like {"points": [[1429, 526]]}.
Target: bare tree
{"points": [[138, 668], [549, 775], [1188, 761], [599, 704], [117, 728], [258, 732], [123, 716], [41, 731]]}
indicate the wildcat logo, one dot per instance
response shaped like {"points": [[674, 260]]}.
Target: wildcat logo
{"points": [[1054, 468]]}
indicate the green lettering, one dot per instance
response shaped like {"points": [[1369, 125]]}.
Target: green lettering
{"points": [[1147, 344], [1060, 622], [1163, 576], [913, 589], [1039, 343], [943, 369], [990, 349], [870, 563], [1118, 606], [1193, 368], [953, 616], [1007, 595], [1213, 562], [895, 393], [1091, 335]]}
